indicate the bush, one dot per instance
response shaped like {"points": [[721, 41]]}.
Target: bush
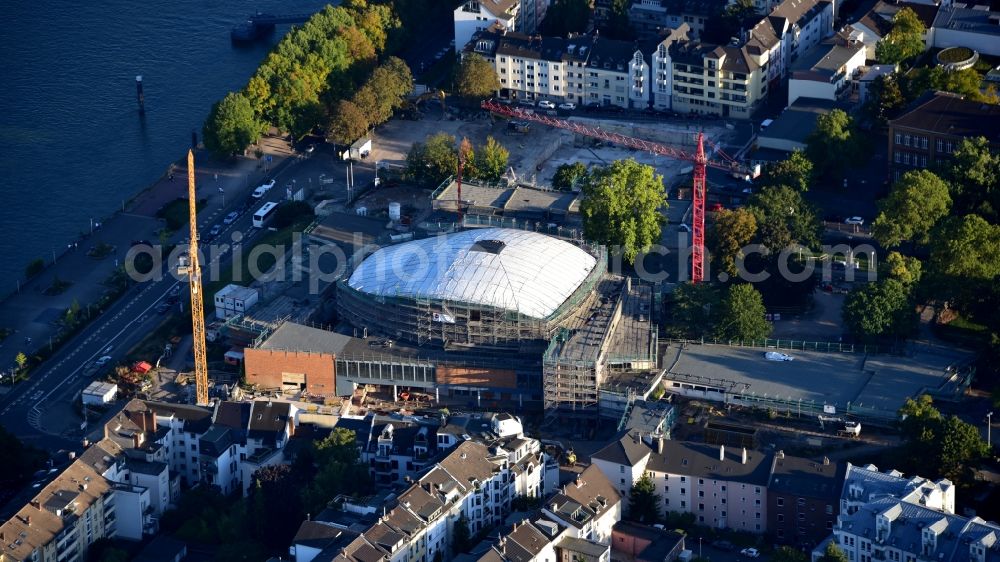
{"points": [[291, 212], [34, 268]]}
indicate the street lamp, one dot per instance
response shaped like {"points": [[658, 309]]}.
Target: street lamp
{"points": [[989, 429]]}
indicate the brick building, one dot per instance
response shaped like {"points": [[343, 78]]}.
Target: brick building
{"points": [[933, 129], [803, 499], [296, 357]]}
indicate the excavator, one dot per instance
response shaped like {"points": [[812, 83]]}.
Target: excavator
{"points": [[412, 105]]}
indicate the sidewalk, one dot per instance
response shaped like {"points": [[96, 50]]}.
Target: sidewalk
{"points": [[32, 314]]}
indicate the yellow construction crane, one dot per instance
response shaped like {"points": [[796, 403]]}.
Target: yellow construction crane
{"points": [[197, 303]]}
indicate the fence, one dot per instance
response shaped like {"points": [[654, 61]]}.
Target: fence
{"points": [[793, 345]]}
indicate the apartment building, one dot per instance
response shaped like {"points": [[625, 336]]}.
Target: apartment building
{"points": [[588, 507], [473, 484], [886, 516], [652, 19], [790, 29], [728, 81], [472, 16], [803, 499], [828, 71], [926, 135]]}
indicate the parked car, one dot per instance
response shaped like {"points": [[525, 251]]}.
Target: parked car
{"points": [[777, 356], [854, 220], [567, 106], [216, 229], [231, 218], [262, 189], [102, 361], [750, 552], [546, 104], [163, 307], [724, 545]]}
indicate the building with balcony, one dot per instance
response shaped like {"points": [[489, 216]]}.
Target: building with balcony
{"points": [[888, 517], [927, 134], [790, 29], [472, 16], [828, 71], [727, 81]]}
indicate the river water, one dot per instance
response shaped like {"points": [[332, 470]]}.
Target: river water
{"points": [[72, 144]]}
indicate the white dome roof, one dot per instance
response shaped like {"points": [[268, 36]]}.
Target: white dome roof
{"points": [[517, 270]]}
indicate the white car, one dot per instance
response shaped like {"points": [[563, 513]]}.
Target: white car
{"points": [[546, 104], [854, 220], [567, 105], [262, 189], [777, 356], [750, 552], [102, 361], [231, 218]]}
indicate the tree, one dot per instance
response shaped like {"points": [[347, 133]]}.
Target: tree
{"points": [[916, 416], [784, 218], [20, 460], [621, 207], [907, 270], [885, 99], [35, 267], [966, 247], [564, 17], [961, 445], [944, 445], [695, 309], [795, 172], [619, 25], [788, 554], [731, 232], [915, 204], [348, 123], [833, 144], [275, 510], [880, 309], [21, 359], [742, 315], [231, 125], [337, 469], [974, 174], [491, 161], [461, 535], [833, 553], [476, 78], [433, 160], [568, 175], [904, 41], [644, 502]]}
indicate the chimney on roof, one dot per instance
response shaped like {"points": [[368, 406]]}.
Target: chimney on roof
{"points": [[554, 507], [578, 481], [743, 458], [781, 454], [826, 461], [136, 440], [27, 520], [722, 452], [659, 445], [35, 504]]}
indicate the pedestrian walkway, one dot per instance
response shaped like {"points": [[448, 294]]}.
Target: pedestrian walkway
{"points": [[33, 316]]}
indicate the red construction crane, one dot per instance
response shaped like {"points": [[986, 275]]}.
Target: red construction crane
{"points": [[698, 158]]}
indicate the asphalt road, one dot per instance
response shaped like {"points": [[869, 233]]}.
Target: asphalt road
{"points": [[40, 411]]}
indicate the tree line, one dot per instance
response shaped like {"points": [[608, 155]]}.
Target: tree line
{"points": [[340, 54]]}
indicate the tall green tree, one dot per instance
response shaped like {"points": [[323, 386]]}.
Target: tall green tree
{"points": [[784, 218], [476, 79], [834, 144], [940, 444], [906, 269], [885, 99], [644, 502], [461, 535], [695, 309], [880, 309], [491, 161], [564, 17], [966, 247], [833, 553], [915, 204], [275, 509], [795, 172], [974, 175], [742, 315], [568, 175], [621, 207], [231, 126], [431, 161], [904, 41], [348, 123], [728, 235]]}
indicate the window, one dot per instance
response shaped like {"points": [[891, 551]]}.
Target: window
{"points": [[701, 482], [683, 491], [621, 469], [923, 143], [666, 501], [723, 513], [701, 507], [781, 518], [684, 478], [701, 493], [756, 502], [899, 138], [939, 145], [757, 491], [683, 504], [896, 157], [829, 509], [801, 502], [757, 515], [781, 502]]}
